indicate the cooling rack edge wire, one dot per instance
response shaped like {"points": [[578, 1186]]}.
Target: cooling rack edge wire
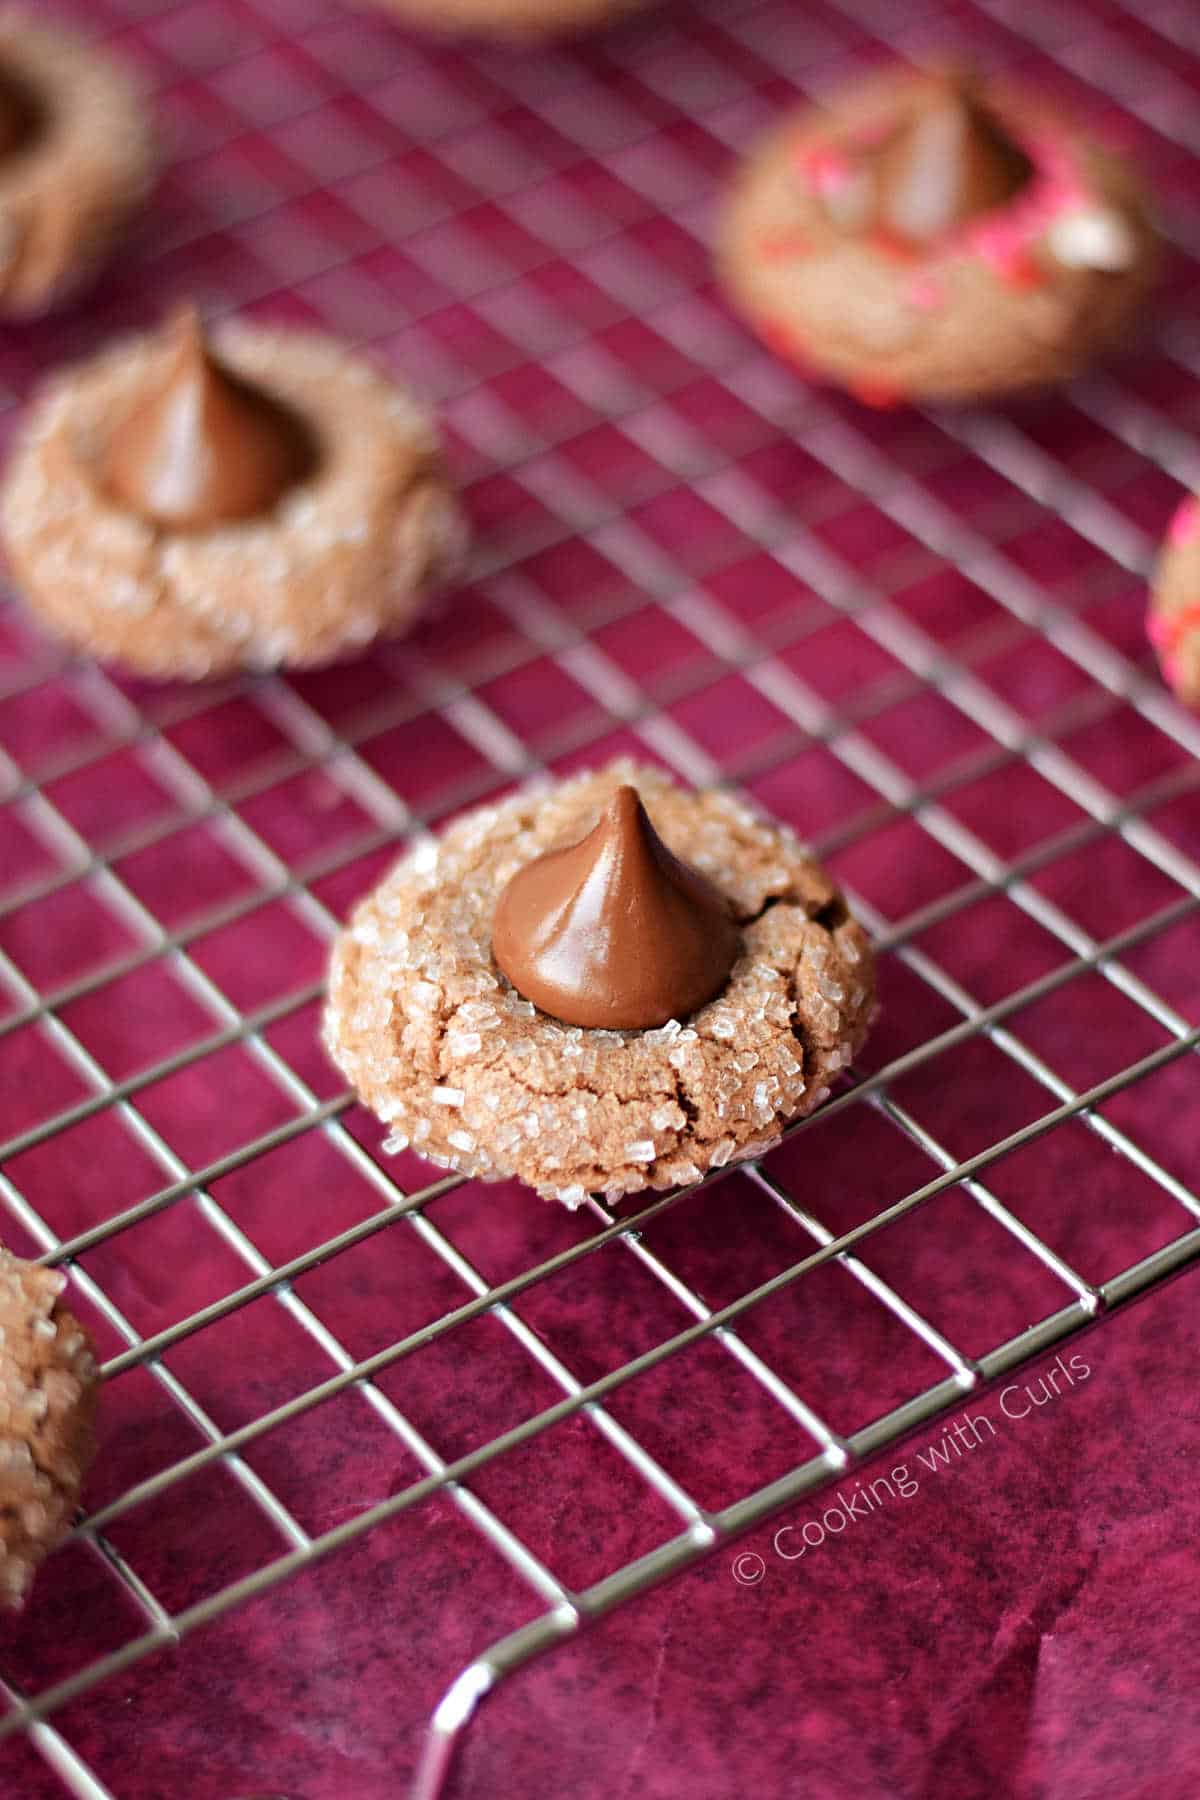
{"points": [[473, 1684]]}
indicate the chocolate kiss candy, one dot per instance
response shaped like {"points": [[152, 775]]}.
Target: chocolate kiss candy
{"points": [[204, 447], [614, 932], [948, 162]]}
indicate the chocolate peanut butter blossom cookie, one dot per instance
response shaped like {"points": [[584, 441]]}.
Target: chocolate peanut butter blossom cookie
{"points": [[931, 236], [48, 1387], [187, 507], [599, 986], [1173, 622], [76, 159]]}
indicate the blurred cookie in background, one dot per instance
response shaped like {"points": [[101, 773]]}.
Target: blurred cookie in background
{"points": [[1173, 622], [77, 158], [933, 236], [186, 505], [515, 19]]}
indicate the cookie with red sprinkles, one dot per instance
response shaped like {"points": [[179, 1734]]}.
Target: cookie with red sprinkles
{"points": [[1173, 622], [932, 236]]}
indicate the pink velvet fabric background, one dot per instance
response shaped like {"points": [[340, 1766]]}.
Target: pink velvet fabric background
{"points": [[684, 551]]}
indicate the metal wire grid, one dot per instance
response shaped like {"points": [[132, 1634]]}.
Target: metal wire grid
{"points": [[935, 536]]}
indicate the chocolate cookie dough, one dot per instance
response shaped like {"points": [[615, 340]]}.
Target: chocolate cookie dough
{"points": [[186, 507], [1173, 622], [76, 159], [699, 984], [930, 236], [517, 19], [47, 1401]]}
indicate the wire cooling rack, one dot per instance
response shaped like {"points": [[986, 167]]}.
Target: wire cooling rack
{"points": [[916, 638]]}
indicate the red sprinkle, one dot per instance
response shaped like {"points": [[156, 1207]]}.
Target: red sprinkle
{"points": [[926, 292], [1186, 523], [785, 341], [1161, 630], [783, 246], [1021, 270], [882, 395], [825, 167], [1172, 668], [1167, 631], [897, 248]]}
